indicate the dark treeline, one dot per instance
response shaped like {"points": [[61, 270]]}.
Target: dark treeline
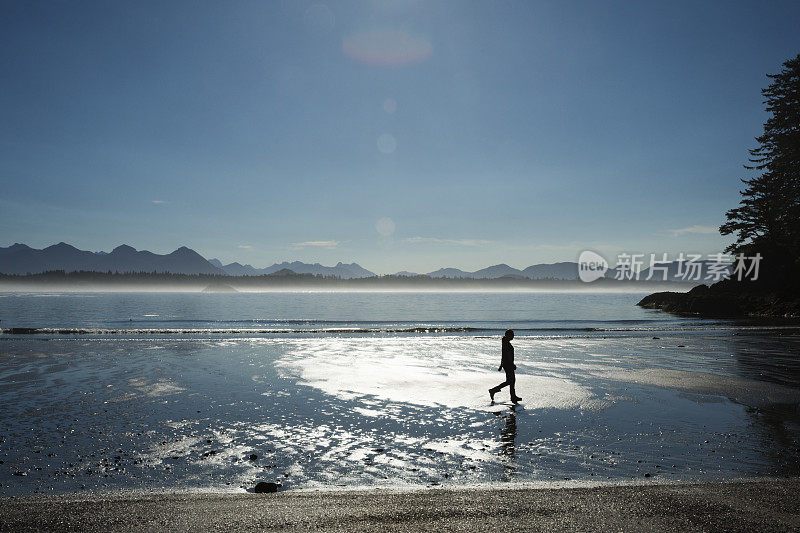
{"points": [[765, 223], [286, 278]]}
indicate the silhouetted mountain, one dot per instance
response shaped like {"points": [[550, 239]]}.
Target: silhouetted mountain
{"points": [[353, 270], [14, 248], [238, 269], [341, 270], [284, 272], [187, 261], [21, 259], [449, 273], [564, 270], [235, 268], [497, 271]]}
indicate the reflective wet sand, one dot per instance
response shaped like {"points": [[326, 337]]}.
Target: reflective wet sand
{"points": [[359, 410]]}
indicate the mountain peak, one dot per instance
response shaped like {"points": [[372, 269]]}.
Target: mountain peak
{"points": [[62, 246], [184, 251], [123, 248]]}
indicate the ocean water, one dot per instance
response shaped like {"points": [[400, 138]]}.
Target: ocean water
{"points": [[129, 391]]}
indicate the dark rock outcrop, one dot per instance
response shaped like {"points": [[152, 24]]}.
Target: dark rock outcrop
{"points": [[727, 299]]}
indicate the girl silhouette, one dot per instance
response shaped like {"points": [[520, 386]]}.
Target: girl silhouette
{"points": [[507, 364]]}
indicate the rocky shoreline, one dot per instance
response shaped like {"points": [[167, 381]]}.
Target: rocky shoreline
{"points": [[726, 300]]}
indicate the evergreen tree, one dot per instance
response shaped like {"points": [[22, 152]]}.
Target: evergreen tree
{"points": [[767, 219]]}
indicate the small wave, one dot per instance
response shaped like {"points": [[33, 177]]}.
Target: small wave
{"points": [[387, 330], [235, 331], [312, 321]]}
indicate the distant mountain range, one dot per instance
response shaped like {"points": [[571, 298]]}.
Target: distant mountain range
{"points": [[22, 259], [566, 270], [353, 270]]}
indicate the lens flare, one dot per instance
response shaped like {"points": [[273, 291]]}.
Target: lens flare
{"points": [[387, 47], [390, 106], [387, 144], [385, 226]]}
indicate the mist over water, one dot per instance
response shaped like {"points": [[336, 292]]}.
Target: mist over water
{"points": [[176, 391]]}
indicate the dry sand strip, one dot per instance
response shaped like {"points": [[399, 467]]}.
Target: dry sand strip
{"points": [[772, 505]]}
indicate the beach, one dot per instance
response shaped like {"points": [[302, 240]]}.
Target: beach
{"points": [[371, 411], [756, 505]]}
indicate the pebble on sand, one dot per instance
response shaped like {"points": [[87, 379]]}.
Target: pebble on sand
{"points": [[266, 486]]}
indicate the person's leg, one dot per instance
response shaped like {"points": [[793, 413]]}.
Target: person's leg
{"points": [[495, 390], [511, 379]]}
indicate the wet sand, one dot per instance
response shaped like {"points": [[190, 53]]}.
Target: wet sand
{"points": [[104, 415], [756, 505]]}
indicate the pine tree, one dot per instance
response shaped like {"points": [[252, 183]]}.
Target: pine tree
{"points": [[767, 219]]}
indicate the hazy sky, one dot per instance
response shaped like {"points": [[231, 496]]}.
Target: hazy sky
{"points": [[397, 134]]}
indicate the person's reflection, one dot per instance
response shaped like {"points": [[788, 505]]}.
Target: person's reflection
{"points": [[508, 437]]}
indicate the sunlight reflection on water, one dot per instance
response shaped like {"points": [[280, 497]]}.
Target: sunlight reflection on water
{"points": [[409, 409]]}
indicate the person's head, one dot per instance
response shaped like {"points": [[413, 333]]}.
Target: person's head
{"points": [[509, 334]]}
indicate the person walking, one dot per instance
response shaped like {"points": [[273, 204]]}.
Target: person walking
{"points": [[507, 364]]}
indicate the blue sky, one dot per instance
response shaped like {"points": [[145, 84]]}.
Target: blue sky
{"points": [[475, 132]]}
